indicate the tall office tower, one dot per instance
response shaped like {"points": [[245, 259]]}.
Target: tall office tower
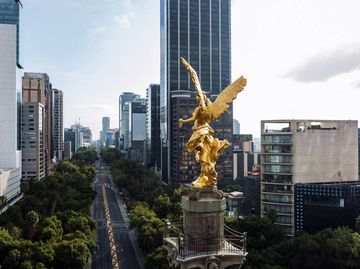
{"points": [[124, 98], [236, 127], [57, 124], [303, 151], [36, 87], [76, 137], [10, 151], [10, 14], [10, 155], [153, 126], [70, 136], [199, 31], [105, 128], [87, 136], [67, 150], [137, 129], [33, 142], [359, 149], [110, 137]]}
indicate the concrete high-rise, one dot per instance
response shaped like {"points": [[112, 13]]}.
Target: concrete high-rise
{"points": [[33, 141], [36, 87], [200, 32], [153, 141], [303, 151], [57, 124], [10, 153]]}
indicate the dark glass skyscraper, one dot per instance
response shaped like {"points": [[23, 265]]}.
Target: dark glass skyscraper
{"points": [[10, 14], [153, 125], [199, 31]]}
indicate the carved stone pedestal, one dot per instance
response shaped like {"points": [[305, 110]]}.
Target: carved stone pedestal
{"points": [[203, 243]]}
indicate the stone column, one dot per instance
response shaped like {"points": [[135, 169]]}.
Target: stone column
{"points": [[204, 220]]}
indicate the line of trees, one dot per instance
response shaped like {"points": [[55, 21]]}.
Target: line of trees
{"points": [[51, 227], [149, 202], [268, 248]]}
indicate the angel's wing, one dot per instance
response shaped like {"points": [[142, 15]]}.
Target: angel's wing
{"points": [[194, 79], [221, 104]]}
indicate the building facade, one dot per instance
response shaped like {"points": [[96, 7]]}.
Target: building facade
{"points": [[33, 141], [10, 153], [57, 124], [199, 31], [251, 190], [10, 14], [36, 87], [137, 130], [124, 100], [246, 160], [105, 128], [153, 141], [236, 127], [303, 151], [326, 205], [67, 150], [74, 137]]}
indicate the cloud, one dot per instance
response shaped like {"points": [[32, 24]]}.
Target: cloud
{"points": [[96, 107], [328, 65], [124, 19], [95, 30], [356, 84]]}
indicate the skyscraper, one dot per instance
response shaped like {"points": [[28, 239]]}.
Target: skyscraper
{"points": [[105, 128], [124, 99], [10, 14], [236, 127], [57, 124], [36, 87], [10, 155], [137, 129], [153, 125], [199, 31]]}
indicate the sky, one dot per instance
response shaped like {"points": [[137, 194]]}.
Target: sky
{"points": [[301, 58]]}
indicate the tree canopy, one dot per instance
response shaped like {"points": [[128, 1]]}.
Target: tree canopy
{"points": [[50, 227]]}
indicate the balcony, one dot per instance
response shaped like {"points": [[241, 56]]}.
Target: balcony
{"points": [[233, 243]]}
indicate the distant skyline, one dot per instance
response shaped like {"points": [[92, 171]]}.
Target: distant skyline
{"points": [[301, 58]]}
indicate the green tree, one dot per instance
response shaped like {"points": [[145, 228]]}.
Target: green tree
{"points": [[51, 230], [162, 206], [32, 220], [157, 259], [86, 154], [72, 254]]}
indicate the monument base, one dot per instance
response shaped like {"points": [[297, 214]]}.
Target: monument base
{"points": [[203, 242]]}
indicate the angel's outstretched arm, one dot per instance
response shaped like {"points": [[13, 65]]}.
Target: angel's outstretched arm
{"points": [[193, 118]]}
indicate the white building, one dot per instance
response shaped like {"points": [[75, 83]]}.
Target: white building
{"points": [[10, 155], [303, 151]]}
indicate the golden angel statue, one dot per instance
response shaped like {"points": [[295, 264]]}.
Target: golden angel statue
{"points": [[202, 142]]}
